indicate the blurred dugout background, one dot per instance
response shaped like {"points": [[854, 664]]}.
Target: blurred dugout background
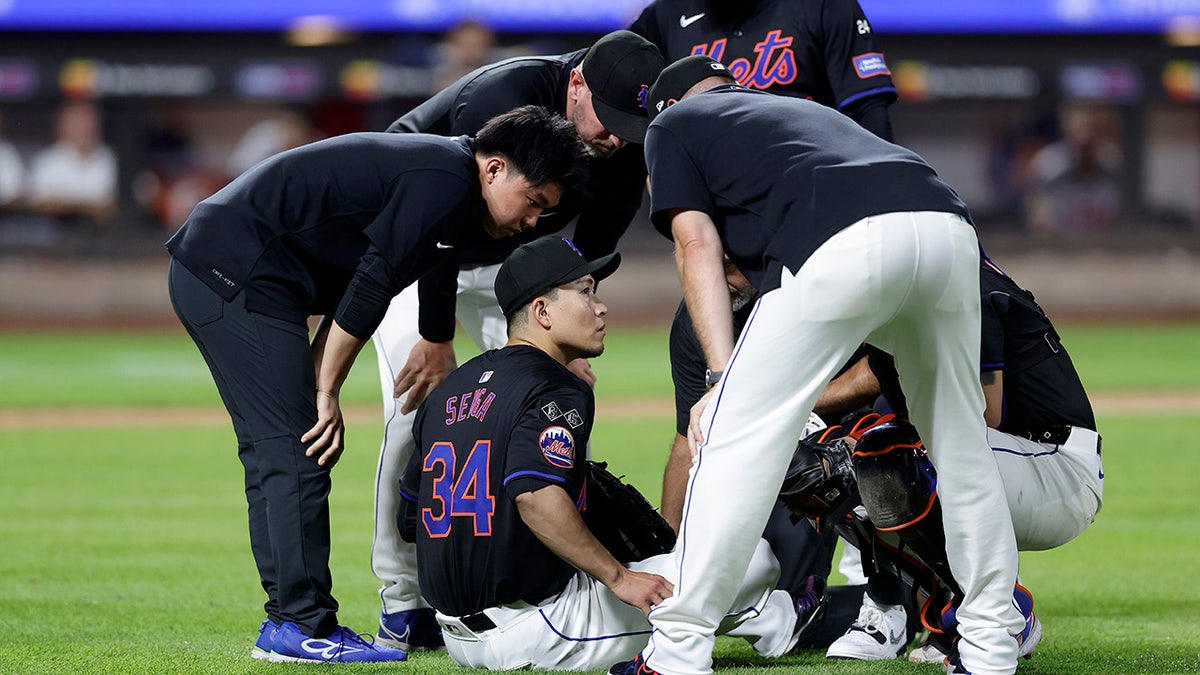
{"points": [[1070, 127]]}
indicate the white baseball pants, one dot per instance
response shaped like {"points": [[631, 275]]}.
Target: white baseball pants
{"points": [[1054, 491], [586, 627], [909, 284], [393, 560]]}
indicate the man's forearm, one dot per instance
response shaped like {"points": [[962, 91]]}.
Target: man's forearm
{"points": [[852, 389], [551, 516], [675, 482], [700, 258], [336, 358]]}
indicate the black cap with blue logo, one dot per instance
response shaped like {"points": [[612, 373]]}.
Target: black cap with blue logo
{"points": [[543, 264], [619, 70]]}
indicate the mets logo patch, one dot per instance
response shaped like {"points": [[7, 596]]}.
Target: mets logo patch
{"points": [[870, 65], [558, 446]]}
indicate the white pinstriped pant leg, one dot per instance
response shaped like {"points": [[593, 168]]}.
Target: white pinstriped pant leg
{"points": [[912, 281], [586, 627], [1054, 491], [935, 341]]}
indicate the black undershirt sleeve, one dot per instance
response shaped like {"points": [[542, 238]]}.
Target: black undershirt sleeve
{"points": [[410, 492], [367, 298], [871, 113], [437, 294]]}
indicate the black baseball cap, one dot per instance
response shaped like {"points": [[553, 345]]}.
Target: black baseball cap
{"points": [[677, 78], [542, 264], [619, 70]]}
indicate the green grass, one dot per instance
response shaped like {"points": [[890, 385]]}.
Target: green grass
{"points": [[163, 368], [124, 549]]}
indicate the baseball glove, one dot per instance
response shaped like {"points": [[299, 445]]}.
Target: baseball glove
{"points": [[819, 483], [621, 518]]}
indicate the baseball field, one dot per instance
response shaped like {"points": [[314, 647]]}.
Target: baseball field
{"points": [[123, 544]]}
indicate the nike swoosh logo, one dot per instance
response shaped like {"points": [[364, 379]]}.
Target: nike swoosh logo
{"points": [[327, 648], [444, 246], [685, 21]]}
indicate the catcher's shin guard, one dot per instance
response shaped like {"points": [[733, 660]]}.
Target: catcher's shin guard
{"points": [[898, 488]]}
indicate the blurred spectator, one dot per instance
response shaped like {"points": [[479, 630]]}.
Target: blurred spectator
{"points": [[467, 46], [284, 131], [177, 178], [76, 178], [12, 173], [1010, 150], [1074, 182]]}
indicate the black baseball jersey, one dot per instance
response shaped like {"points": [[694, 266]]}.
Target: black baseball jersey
{"points": [[609, 202], [1041, 387], [507, 422], [779, 175], [339, 225], [823, 50]]}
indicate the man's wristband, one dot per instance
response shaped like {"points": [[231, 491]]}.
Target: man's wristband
{"points": [[712, 377]]}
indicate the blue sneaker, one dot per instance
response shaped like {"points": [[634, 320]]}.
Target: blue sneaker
{"points": [[343, 646], [1031, 634], [635, 667], [415, 630], [266, 640], [1027, 639], [954, 667]]}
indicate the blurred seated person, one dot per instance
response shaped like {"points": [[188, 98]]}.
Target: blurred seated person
{"points": [[283, 130], [75, 179], [465, 47], [177, 177], [12, 173], [1074, 182]]}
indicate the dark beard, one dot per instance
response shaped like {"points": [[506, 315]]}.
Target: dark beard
{"points": [[591, 353], [732, 12]]}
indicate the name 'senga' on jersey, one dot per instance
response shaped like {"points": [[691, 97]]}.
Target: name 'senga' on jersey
{"points": [[472, 404]]}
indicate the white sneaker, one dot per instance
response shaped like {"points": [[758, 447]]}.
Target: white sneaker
{"points": [[879, 633], [1030, 637]]}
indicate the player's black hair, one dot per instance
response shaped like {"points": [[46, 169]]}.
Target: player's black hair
{"points": [[539, 144], [519, 318]]}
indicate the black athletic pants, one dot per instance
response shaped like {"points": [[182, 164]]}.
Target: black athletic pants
{"points": [[263, 368]]}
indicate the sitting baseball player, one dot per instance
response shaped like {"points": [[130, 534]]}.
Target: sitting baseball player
{"points": [[494, 494], [1042, 433]]}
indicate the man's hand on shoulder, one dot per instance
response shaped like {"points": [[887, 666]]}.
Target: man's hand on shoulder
{"points": [[583, 370]]}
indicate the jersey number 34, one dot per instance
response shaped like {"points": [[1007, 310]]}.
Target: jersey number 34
{"points": [[467, 494]]}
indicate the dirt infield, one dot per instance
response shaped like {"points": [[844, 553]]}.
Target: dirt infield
{"points": [[1130, 402]]}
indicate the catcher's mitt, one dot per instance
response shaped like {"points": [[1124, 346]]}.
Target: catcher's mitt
{"points": [[621, 518], [819, 483]]}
